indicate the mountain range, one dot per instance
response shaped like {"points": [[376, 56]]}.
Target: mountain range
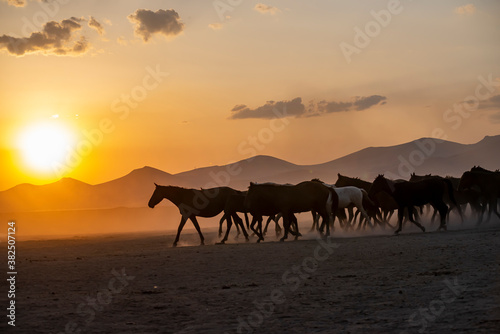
{"points": [[422, 156]]}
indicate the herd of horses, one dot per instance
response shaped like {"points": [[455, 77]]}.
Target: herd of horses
{"points": [[375, 202]]}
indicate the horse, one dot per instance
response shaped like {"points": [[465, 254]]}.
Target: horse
{"points": [[234, 204], [268, 199], [193, 203], [488, 183], [410, 194], [451, 191], [382, 200], [347, 196]]}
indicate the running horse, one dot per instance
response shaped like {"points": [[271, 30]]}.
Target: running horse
{"points": [[269, 199], [194, 203], [410, 194]]}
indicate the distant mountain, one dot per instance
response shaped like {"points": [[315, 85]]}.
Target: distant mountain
{"points": [[422, 156]]}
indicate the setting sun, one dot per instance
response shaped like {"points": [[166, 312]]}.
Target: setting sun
{"points": [[43, 145]]}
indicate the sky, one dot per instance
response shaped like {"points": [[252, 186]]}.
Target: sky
{"points": [[94, 89]]}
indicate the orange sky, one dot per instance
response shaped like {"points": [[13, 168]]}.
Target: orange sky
{"points": [[188, 84]]}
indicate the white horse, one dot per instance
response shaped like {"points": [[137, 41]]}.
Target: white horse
{"points": [[349, 196]]}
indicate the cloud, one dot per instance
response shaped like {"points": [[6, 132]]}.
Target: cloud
{"points": [[495, 118], [56, 38], [270, 110], [20, 3], [16, 3], [265, 9], [491, 103], [122, 41], [94, 24], [296, 108], [215, 26], [147, 23], [466, 10], [362, 103]]}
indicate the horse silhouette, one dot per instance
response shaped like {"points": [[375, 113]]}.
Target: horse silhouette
{"points": [[451, 192], [234, 204], [410, 194], [194, 203], [385, 202], [349, 197], [488, 183], [268, 199]]}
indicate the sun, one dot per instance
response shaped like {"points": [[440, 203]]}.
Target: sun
{"points": [[46, 145]]}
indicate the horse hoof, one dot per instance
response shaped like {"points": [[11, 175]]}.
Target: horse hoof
{"points": [[174, 244]]}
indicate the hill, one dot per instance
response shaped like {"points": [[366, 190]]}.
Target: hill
{"points": [[422, 156]]}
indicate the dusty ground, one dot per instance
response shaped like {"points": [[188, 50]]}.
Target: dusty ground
{"points": [[413, 283]]}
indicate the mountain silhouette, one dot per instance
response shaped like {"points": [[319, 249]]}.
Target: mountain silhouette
{"points": [[422, 156]]}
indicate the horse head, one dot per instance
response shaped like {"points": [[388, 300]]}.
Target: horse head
{"points": [[156, 197]]}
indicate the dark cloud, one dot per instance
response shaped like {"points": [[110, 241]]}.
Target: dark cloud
{"points": [[55, 38], [147, 23], [296, 108], [329, 107], [270, 110], [94, 24], [491, 103], [362, 103]]}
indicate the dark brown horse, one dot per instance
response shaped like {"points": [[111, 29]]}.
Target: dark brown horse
{"points": [[193, 203], [235, 203], [410, 194], [269, 199], [488, 183], [450, 192]]}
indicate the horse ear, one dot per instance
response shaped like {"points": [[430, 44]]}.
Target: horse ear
{"points": [[156, 185]]}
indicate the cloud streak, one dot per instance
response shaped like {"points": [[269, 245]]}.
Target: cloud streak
{"points": [[56, 38], [266, 9], [94, 24], [164, 22], [466, 9], [295, 108]]}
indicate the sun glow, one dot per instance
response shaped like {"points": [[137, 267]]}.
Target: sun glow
{"points": [[45, 145]]}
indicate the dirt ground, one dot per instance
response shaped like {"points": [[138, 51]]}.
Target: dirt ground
{"points": [[434, 282]]}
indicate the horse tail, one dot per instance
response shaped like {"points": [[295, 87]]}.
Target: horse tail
{"points": [[367, 198]]}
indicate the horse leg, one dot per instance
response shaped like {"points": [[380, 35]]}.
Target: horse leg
{"points": [[197, 227], [286, 226], [267, 224], [229, 224], [363, 212], [257, 219], [411, 211], [442, 208], [296, 227], [494, 205], [220, 224], [239, 221], [179, 229], [246, 220], [315, 222], [401, 213]]}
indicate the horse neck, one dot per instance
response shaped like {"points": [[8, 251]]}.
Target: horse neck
{"points": [[174, 194]]}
